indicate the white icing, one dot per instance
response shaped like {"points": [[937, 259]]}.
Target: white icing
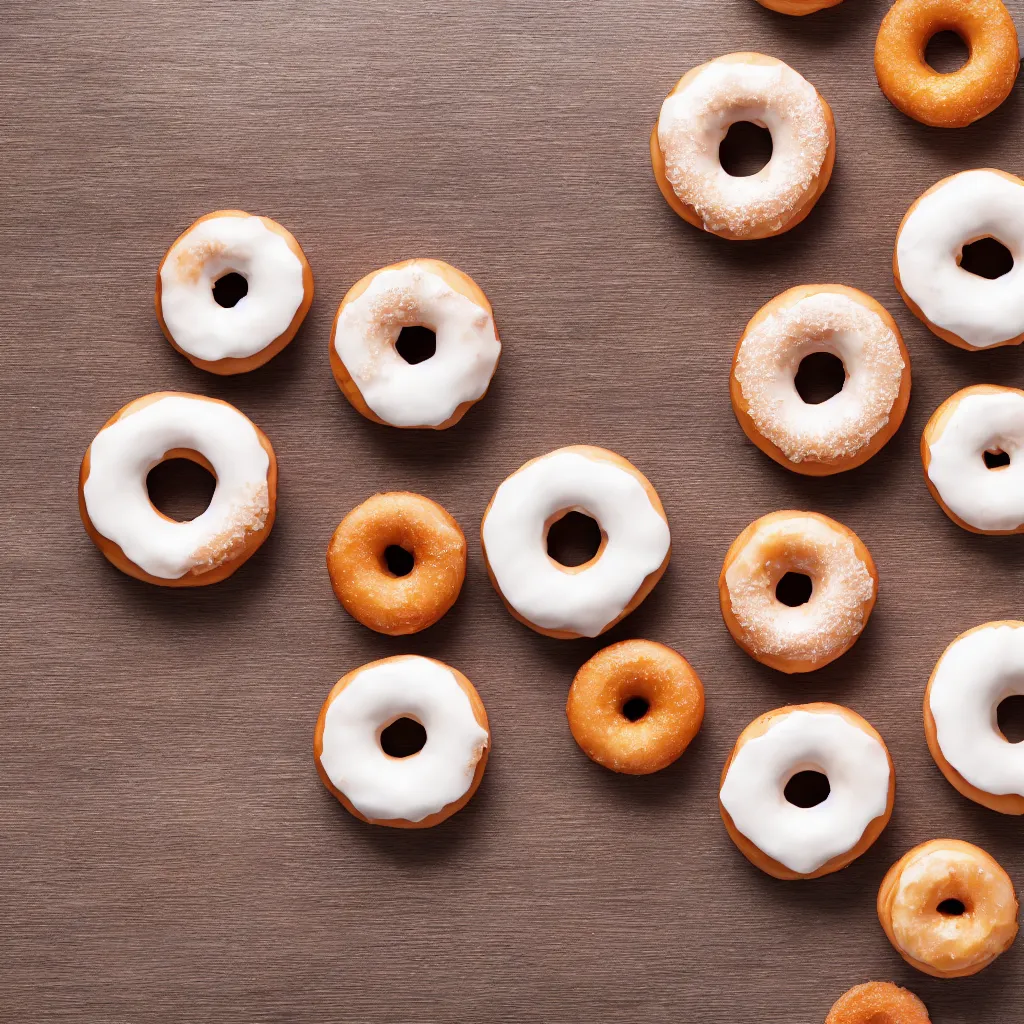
{"points": [[207, 252], [121, 456], [426, 393], [583, 602], [804, 838], [987, 499], [971, 205], [414, 787]]}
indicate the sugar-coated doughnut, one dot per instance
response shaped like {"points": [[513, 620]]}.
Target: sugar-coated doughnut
{"points": [[583, 600], [374, 376], [965, 309], [668, 699], [948, 908], [694, 120], [845, 430], [794, 842], [233, 339], [426, 787], [140, 540], [878, 1002], [357, 564], [955, 99], [797, 8], [844, 586]]}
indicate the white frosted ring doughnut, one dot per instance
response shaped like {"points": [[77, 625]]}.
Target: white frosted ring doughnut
{"points": [[794, 841], [583, 600], [407, 790], [845, 430], [694, 120], [143, 542], [373, 374], [247, 333], [965, 309]]}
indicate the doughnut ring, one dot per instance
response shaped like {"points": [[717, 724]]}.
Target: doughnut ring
{"points": [[797, 8], [380, 383], [635, 707], [790, 841], [948, 908], [946, 100], [694, 120], [248, 333], [845, 430], [140, 540], [844, 585], [369, 590], [415, 791], [584, 600], [878, 1002]]}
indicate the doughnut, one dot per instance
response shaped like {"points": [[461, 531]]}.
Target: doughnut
{"points": [[140, 540], [371, 372], [797, 8], [374, 595], [583, 600], [848, 428], [878, 1002], [948, 908], [843, 588], [694, 120], [965, 309], [240, 337], [976, 672], [956, 99], [972, 449], [415, 791], [790, 841], [635, 706]]}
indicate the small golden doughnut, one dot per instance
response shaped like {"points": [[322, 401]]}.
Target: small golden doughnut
{"points": [[878, 1002], [797, 8], [948, 908], [635, 706], [369, 590], [956, 99]]}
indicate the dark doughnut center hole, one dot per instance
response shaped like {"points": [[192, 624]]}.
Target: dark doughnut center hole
{"points": [[574, 539], [946, 52], [1010, 718], [398, 561], [746, 148], [635, 708], [181, 488], [794, 589], [987, 257], [996, 459], [416, 344], [819, 377], [807, 789], [403, 738], [230, 289], [951, 908]]}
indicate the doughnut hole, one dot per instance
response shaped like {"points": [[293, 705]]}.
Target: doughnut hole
{"points": [[819, 377], [951, 907], [946, 52], [397, 560], [1010, 718], [807, 789], [416, 344], [996, 458], [794, 589], [574, 539], [230, 289], [402, 738], [986, 257], [634, 708], [745, 150], [181, 487]]}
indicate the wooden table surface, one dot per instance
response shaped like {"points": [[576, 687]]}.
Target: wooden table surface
{"points": [[167, 852]]}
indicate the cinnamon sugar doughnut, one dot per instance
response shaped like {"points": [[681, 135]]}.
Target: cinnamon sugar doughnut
{"points": [[878, 1002]]}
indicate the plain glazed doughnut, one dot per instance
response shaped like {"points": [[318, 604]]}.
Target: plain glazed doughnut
{"points": [[561, 601], [694, 120], [233, 339], [956, 99], [373, 375], [844, 586], [417, 791], [139, 539], [794, 842], [797, 8], [948, 908], [651, 678], [845, 430], [878, 1002], [357, 562]]}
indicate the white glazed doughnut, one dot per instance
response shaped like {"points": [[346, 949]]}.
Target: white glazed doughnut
{"points": [[373, 375], [241, 337], [964, 309], [143, 542], [588, 599]]}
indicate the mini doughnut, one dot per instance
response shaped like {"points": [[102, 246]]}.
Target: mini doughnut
{"points": [[426, 787], [878, 1002], [844, 585], [948, 908], [845, 430], [140, 540], [956, 99], [584, 600], [369, 591], [694, 120], [797, 8], [247, 334], [977, 671], [667, 695], [435, 392], [965, 309], [972, 449], [794, 842]]}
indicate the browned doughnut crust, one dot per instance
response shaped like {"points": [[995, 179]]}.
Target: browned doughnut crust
{"points": [[878, 1002], [797, 8]]}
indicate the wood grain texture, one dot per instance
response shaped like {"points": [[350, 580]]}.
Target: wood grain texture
{"points": [[167, 852]]}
